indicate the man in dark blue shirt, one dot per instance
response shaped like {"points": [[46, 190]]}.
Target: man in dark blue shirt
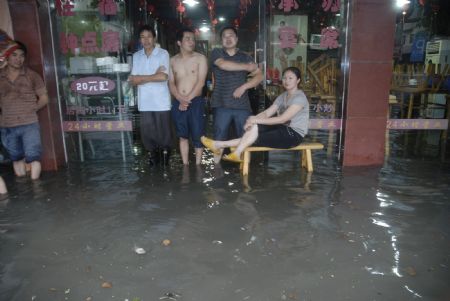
{"points": [[230, 102]]}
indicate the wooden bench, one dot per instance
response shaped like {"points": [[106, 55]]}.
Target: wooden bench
{"points": [[305, 148]]}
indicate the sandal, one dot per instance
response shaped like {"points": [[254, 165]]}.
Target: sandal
{"points": [[232, 157], [209, 144]]}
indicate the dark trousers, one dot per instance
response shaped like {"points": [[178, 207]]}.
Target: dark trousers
{"points": [[156, 130]]}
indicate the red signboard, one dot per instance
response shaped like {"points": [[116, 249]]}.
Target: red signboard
{"points": [[93, 85]]}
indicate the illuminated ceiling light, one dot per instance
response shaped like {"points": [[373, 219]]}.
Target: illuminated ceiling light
{"points": [[190, 2], [401, 3], [204, 29], [221, 19]]}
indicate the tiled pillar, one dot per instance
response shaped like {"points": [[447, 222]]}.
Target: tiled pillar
{"points": [[372, 26], [30, 24]]}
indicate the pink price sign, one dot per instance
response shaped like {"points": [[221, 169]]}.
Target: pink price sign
{"points": [[98, 126], [93, 85]]}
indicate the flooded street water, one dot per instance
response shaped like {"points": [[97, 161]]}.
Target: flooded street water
{"points": [[281, 234]]}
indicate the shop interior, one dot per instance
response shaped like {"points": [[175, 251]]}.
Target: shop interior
{"points": [[421, 73], [97, 38]]}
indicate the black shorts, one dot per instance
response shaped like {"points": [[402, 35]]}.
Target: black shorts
{"points": [[277, 136]]}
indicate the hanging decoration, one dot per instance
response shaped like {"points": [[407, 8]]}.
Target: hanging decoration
{"points": [[244, 4], [150, 9], [243, 8], [288, 5], [211, 5], [435, 6], [142, 4], [181, 9]]}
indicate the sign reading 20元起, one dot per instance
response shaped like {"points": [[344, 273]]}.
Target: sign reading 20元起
{"points": [[93, 85]]}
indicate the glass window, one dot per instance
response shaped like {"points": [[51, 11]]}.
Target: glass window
{"points": [[92, 40], [309, 35], [420, 84]]}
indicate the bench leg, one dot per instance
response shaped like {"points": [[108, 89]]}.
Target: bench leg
{"points": [[246, 163], [303, 154], [309, 164]]}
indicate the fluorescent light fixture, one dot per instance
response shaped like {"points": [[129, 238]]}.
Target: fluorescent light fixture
{"points": [[401, 3], [190, 2], [204, 28], [221, 19]]}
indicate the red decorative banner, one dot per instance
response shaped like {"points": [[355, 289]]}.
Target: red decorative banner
{"points": [[93, 85], [98, 126]]}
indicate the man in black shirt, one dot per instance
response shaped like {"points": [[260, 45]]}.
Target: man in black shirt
{"points": [[230, 101]]}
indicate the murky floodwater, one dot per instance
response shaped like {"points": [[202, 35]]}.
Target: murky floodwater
{"points": [[281, 234]]}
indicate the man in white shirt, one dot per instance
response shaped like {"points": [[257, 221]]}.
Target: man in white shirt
{"points": [[150, 73]]}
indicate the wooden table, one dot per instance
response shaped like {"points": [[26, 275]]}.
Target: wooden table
{"points": [[412, 90]]}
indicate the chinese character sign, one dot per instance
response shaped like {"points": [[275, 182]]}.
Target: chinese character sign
{"points": [[288, 37], [97, 126], [288, 5], [329, 38], [111, 41], [93, 85], [89, 42], [331, 5], [107, 7], [69, 41], [64, 8]]}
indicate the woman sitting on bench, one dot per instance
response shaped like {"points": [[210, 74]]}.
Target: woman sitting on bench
{"points": [[283, 125]]}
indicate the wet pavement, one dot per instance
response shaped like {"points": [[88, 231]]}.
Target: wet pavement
{"points": [[111, 231]]}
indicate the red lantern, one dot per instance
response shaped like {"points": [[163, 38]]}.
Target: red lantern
{"points": [[181, 9], [151, 8]]}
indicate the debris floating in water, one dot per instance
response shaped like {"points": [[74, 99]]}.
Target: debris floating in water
{"points": [[170, 296], [139, 251], [106, 284], [252, 240], [166, 242]]}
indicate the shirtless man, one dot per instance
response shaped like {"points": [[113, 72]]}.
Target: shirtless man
{"points": [[187, 77]]}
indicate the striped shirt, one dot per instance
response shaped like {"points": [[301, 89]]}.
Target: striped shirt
{"points": [[18, 99], [228, 81]]}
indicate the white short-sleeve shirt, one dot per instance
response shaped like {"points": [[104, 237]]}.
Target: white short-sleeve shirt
{"points": [[153, 96]]}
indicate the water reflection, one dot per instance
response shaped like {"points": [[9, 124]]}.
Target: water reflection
{"points": [[353, 234]]}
